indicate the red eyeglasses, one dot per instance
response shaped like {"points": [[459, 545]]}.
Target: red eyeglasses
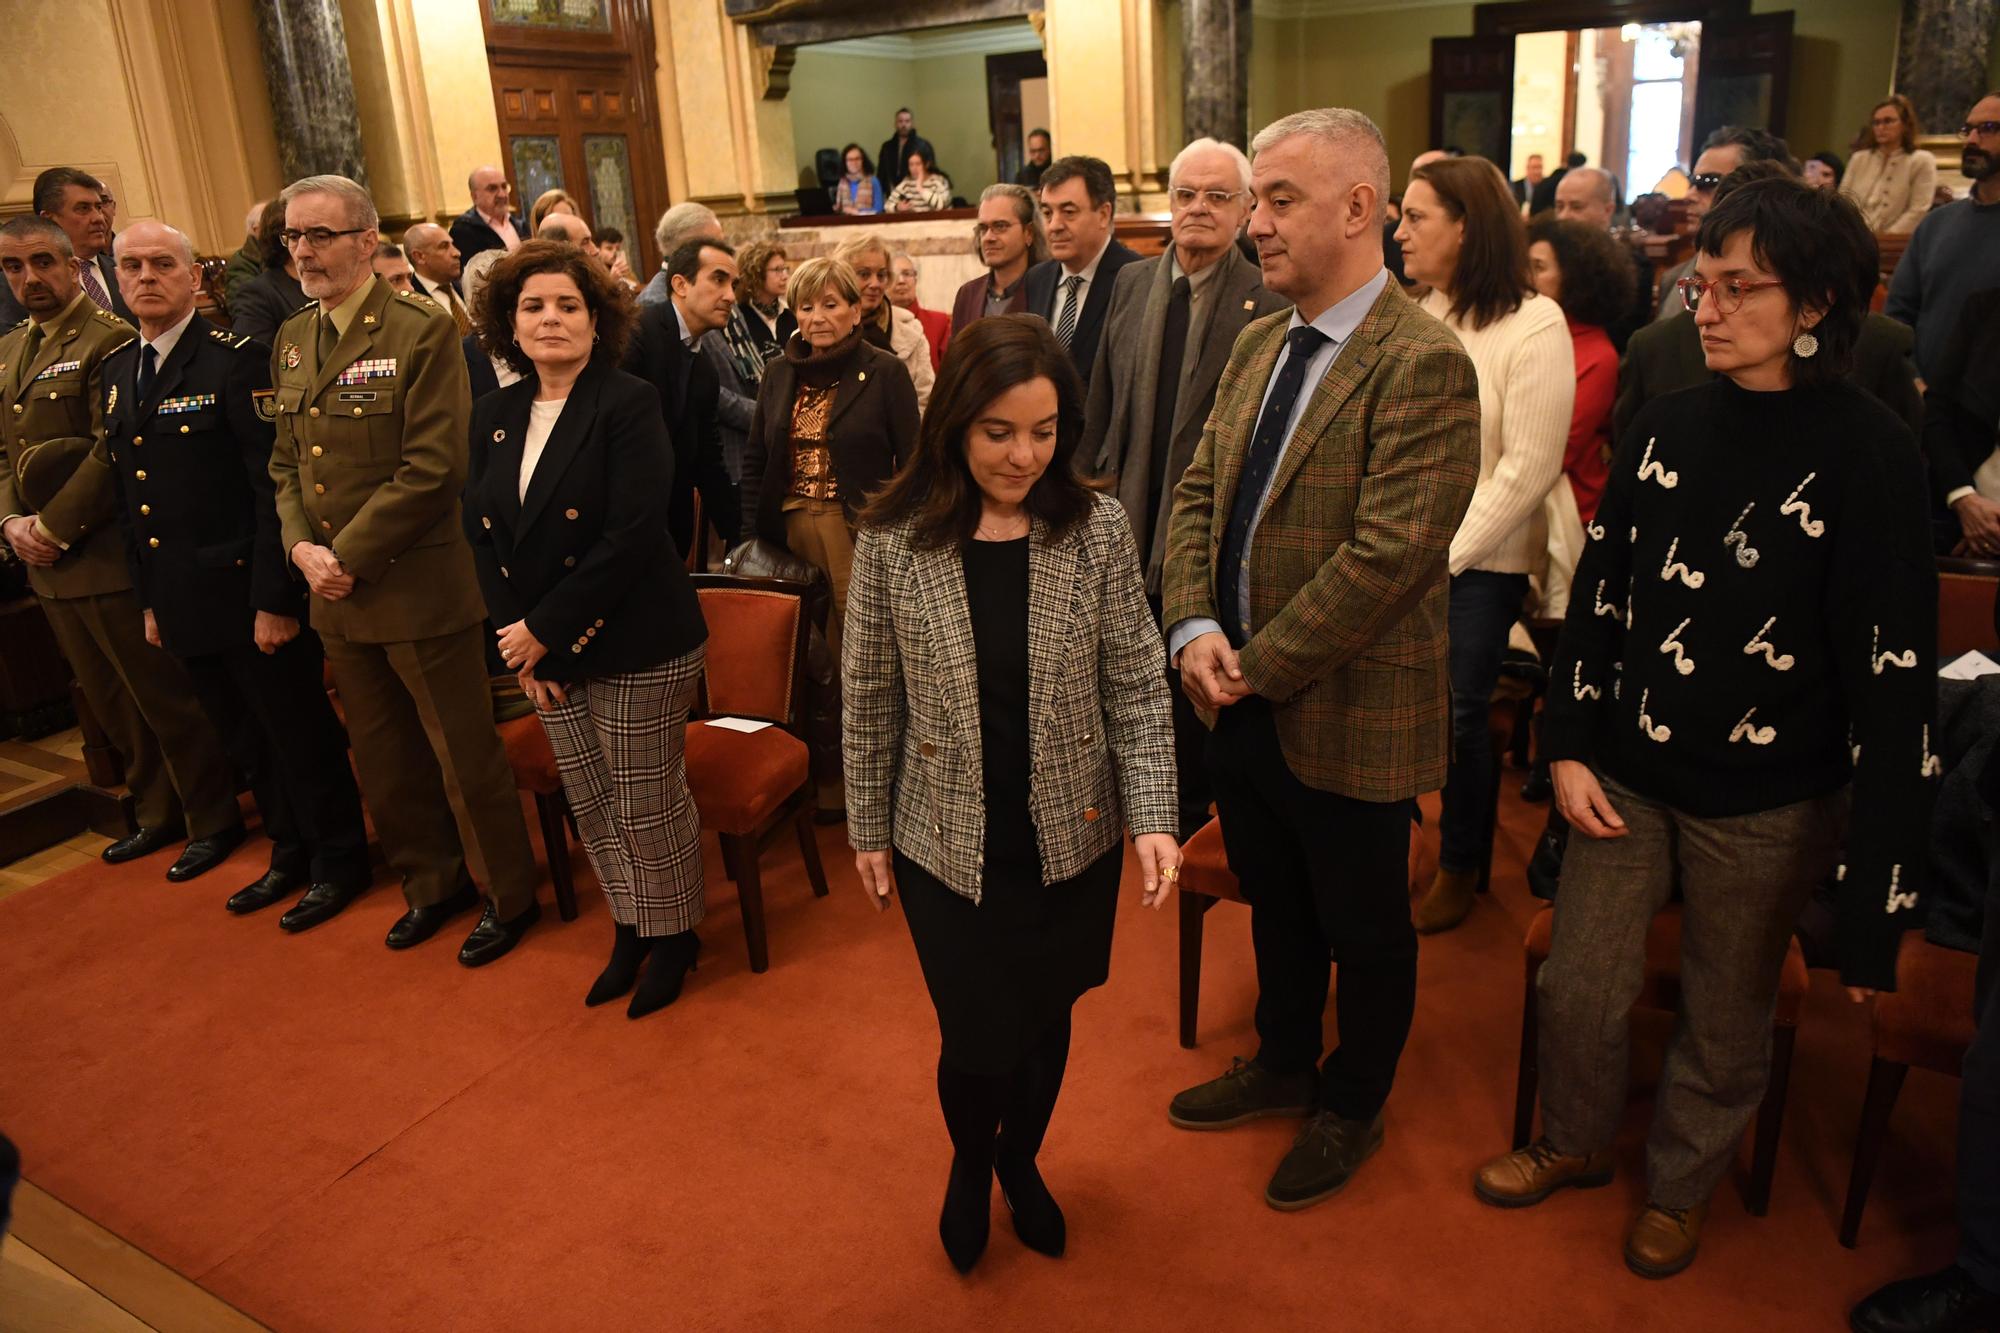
{"points": [[1730, 293]]}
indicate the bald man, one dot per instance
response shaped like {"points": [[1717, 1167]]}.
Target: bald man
{"points": [[491, 223], [1586, 194], [434, 270], [571, 228]]}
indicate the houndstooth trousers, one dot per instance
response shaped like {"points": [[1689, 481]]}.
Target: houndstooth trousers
{"points": [[620, 743]]}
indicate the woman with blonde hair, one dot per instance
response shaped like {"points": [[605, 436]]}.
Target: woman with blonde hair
{"points": [[1892, 180], [551, 201], [884, 323]]}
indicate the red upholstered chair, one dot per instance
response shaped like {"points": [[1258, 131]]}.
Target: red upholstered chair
{"points": [[1662, 991], [534, 765], [1966, 591], [1927, 1021], [1206, 881], [748, 786]]}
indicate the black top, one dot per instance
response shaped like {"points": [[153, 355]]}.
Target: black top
{"points": [[1757, 596], [264, 303], [996, 589]]}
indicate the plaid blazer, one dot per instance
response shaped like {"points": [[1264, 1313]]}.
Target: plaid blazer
{"points": [[1100, 734], [1347, 587]]}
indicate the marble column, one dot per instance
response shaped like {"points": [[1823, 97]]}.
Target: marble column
{"points": [[1215, 46], [1942, 51], [313, 109]]}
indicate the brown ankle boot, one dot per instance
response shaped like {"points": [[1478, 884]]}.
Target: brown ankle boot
{"points": [[1663, 1241], [1447, 902], [1533, 1173]]}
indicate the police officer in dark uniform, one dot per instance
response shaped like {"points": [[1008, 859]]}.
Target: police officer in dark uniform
{"points": [[188, 417]]}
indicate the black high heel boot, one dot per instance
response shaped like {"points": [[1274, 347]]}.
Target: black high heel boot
{"points": [[967, 1218], [628, 949], [1029, 1103], [672, 959], [1038, 1220]]}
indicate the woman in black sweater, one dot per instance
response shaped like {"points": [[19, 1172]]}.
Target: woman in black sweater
{"points": [[1741, 701]]}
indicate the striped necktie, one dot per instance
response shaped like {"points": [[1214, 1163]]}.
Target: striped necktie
{"points": [[1066, 321], [93, 286]]}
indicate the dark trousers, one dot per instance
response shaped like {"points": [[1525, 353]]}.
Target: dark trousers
{"points": [[1326, 877], [1484, 606], [1979, 1117], [272, 713]]}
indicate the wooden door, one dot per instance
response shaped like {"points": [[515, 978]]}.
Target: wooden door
{"points": [[576, 109], [1004, 74], [1745, 73], [1472, 95]]}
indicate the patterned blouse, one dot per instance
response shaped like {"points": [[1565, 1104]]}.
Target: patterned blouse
{"points": [[812, 461], [929, 195]]}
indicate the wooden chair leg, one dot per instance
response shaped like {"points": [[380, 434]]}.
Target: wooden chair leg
{"points": [[1885, 1082], [750, 893], [1770, 1120], [809, 849], [1528, 1073], [729, 857], [556, 847], [1193, 907]]}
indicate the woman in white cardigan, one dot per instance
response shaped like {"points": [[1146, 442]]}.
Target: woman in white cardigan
{"points": [[1462, 236], [1893, 182], [884, 323]]}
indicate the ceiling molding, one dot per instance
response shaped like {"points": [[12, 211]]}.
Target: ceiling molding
{"points": [[1326, 9], [918, 46]]}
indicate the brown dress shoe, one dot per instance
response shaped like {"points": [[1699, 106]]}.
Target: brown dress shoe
{"points": [[1663, 1241], [1531, 1174], [1447, 902]]}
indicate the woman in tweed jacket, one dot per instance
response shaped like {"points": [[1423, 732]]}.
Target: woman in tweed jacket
{"points": [[1006, 716]]}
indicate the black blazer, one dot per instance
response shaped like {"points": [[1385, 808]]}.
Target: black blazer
{"points": [[688, 393], [1044, 286], [871, 432], [264, 303], [203, 524], [471, 234], [478, 367], [1962, 403], [585, 558]]}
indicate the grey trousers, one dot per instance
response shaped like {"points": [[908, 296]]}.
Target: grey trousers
{"points": [[1744, 880]]}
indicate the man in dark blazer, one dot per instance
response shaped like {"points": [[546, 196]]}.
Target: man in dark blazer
{"points": [[75, 201], [211, 576], [1305, 597], [1962, 428], [701, 277], [1531, 178], [1167, 335], [1073, 290], [1009, 236], [490, 224], [893, 162]]}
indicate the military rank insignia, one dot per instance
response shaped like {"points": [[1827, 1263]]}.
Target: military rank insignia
{"points": [[375, 368], [266, 403], [59, 368], [193, 402], [291, 356], [110, 403]]}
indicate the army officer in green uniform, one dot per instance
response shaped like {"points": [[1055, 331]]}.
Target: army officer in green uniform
{"points": [[58, 514], [370, 457]]}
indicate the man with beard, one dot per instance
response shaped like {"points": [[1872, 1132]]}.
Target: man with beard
{"points": [[1009, 236], [1956, 249]]}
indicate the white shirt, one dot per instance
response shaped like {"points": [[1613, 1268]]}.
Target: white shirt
{"points": [[542, 414], [441, 293], [1089, 275], [164, 345]]}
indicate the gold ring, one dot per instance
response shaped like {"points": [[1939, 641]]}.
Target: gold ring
{"points": [[1170, 873]]}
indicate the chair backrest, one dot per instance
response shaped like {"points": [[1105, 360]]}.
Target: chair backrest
{"points": [[1966, 592], [757, 631]]}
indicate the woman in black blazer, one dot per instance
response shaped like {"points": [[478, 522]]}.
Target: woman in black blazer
{"points": [[566, 507], [836, 416]]}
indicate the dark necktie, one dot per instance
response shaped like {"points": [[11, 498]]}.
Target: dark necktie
{"points": [[1267, 445], [1066, 321], [149, 364], [1167, 393], [329, 338], [93, 286]]}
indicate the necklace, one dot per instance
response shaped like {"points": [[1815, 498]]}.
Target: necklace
{"points": [[995, 534]]}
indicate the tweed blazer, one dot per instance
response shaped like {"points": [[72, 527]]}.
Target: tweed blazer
{"points": [[1100, 731], [1347, 588]]}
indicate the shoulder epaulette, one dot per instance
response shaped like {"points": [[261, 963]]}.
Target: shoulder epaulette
{"points": [[228, 339], [110, 318], [22, 325], [428, 306]]}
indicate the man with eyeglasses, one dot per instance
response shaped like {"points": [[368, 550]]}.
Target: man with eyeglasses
{"points": [[1072, 290], [1009, 236], [1721, 153], [1955, 250], [370, 457], [1168, 333]]}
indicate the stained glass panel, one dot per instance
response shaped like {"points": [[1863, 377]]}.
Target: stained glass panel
{"points": [[563, 15], [537, 165], [608, 162]]}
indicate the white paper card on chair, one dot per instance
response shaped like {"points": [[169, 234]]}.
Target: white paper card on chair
{"points": [[744, 724], [1969, 666]]}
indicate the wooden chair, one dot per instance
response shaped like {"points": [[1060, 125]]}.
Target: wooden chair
{"points": [[534, 765], [1662, 991], [1926, 1021], [749, 785]]}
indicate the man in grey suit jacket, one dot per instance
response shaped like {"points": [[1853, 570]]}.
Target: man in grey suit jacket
{"points": [[1168, 332]]}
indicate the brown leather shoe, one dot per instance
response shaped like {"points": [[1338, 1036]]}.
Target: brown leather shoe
{"points": [[1663, 1241], [1531, 1174], [1447, 902]]}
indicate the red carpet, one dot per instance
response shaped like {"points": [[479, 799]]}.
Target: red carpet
{"points": [[332, 1136]]}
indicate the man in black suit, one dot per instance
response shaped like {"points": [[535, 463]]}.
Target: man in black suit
{"points": [[1073, 290], [490, 224], [1531, 177], [701, 277], [188, 411], [77, 202], [893, 162]]}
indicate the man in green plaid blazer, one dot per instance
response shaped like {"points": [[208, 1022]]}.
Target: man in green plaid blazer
{"points": [[1305, 599]]}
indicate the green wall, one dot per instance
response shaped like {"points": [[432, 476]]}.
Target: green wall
{"points": [[840, 98], [1843, 59]]}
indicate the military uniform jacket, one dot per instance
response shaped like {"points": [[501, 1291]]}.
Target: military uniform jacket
{"points": [[369, 460], [49, 418], [192, 464]]}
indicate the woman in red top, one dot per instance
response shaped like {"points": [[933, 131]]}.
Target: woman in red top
{"points": [[1591, 276]]}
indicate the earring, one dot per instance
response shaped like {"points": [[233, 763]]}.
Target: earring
{"points": [[1805, 345]]}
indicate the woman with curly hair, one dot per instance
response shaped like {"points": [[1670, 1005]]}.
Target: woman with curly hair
{"points": [[1590, 275], [566, 507]]}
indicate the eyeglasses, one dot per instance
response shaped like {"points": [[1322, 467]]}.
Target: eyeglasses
{"points": [[320, 237], [1706, 181], [1981, 128], [1729, 293], [994, 228], [1183, 197]]}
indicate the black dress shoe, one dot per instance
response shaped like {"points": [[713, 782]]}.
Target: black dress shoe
{"points": [[143, 843], [1944, 1302], [274, 886], [323, 902], [492, 937], [420, 923], [1324, 1157], [202, 855]]}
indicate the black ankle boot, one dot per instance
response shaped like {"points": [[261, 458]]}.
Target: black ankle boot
{"points": [[628, 949], [967, 1215], [1038, 1221], [666, 969]]}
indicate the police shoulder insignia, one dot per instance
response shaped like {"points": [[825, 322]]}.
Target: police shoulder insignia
{"points": [[111, 403], [266, 403]]}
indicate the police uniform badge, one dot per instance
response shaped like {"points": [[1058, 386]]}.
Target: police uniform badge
{"points": [[111, 403], [265, 401], [291, 356]]}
